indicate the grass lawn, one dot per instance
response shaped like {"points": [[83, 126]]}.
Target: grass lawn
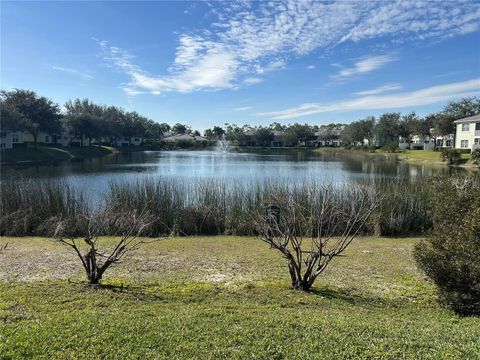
{"points": [[224, 297], [427, 156]]}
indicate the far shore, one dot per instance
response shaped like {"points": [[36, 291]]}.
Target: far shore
{"points": [[49, 154]]}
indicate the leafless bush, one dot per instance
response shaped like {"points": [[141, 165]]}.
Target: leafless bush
{"points": [[128, 226], [333, 218]]}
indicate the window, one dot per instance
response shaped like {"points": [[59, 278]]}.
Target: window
{"points": [[464, 144], [477, 126], [465, 127], [15, 138], [476, 141], [47, 138], [449, 142]]}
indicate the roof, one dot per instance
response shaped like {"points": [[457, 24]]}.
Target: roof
{"points": [[474, 118], [178, 137]]}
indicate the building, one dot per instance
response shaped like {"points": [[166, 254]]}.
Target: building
{"points": [[329, 137], [183, 137], [467, 133]]}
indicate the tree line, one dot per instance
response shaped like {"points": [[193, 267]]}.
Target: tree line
{"points": [[25, 110], [370, 131], [387, 129]]}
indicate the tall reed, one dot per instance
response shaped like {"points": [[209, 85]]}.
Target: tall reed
{"points": [[208, 207]]}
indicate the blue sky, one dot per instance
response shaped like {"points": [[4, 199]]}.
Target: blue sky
{"points": [[206, 63]]}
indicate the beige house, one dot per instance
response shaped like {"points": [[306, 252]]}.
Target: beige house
{"points": [[467, 133]]}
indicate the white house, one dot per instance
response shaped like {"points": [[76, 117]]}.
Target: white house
{"points": [[467, 132]]}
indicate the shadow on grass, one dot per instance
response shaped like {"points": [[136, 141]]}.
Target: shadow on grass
{"points": [[368, 301]]}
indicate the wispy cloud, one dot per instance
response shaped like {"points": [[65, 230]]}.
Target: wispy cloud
{"points": [[243, 108], [249, 39], [81, 74], [425, 96], [252, 80], [365, 65], [379, 90], [310, 67]]}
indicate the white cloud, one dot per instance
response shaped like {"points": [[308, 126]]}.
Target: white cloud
{"points": [[254, 38], [311, 67], [82, 74], [252, 80], [425, 96], [379, 90], [365, 65], [243, 108]]}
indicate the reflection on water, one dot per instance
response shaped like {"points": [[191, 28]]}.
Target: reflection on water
{"points": [[93, 175]]}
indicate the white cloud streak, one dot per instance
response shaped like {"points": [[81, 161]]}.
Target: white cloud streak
{"points": [[425, 96], [365, 65], [81, 74], [255, 38], [379, 90], [243, 108]]}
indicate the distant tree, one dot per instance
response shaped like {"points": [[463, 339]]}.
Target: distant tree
{"points": [[408, 127], [35, 113], [462, 108], [303, 133], [10, 118], [277, 126], [196, 133], [235, 133], [387, 129], [218, 132], [263, 136], [84, 118], [208, 133], [346, 136], [438, 126], [154, 130], [368, 129], [179, 129]]}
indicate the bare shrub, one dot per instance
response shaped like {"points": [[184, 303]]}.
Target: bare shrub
{"points": [[128, 226], [333, 217]]}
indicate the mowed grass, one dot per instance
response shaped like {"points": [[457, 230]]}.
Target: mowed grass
{"points": [[224, 297]]}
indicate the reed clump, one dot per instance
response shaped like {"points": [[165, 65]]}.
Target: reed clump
{"points": [[206, 206]]}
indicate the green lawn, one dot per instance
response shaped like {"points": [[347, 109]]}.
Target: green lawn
{"points": [[224, 297], [423, 156]]}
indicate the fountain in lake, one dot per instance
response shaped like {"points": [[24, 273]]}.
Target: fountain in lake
{"points": [[223, 145]]}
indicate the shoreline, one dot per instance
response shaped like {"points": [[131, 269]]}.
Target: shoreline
{"points": [[52, 155]]}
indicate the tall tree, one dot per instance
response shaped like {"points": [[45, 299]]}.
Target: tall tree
{"points": [[408, 127], [387, 129], [35, 113], [218, 132], [84, 118], [180, 129], [263, 136]]}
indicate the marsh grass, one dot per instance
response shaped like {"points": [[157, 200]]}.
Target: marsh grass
{"points": [[209, 207]]}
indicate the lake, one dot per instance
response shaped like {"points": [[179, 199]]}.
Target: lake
{"points": [[93, 175]]}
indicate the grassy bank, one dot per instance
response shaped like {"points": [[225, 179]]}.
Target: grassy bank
{"points": [[224, 297], [45, 154], [415, 157]]}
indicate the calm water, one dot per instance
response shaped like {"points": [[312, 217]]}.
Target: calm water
{"points": [[93, 175]]}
